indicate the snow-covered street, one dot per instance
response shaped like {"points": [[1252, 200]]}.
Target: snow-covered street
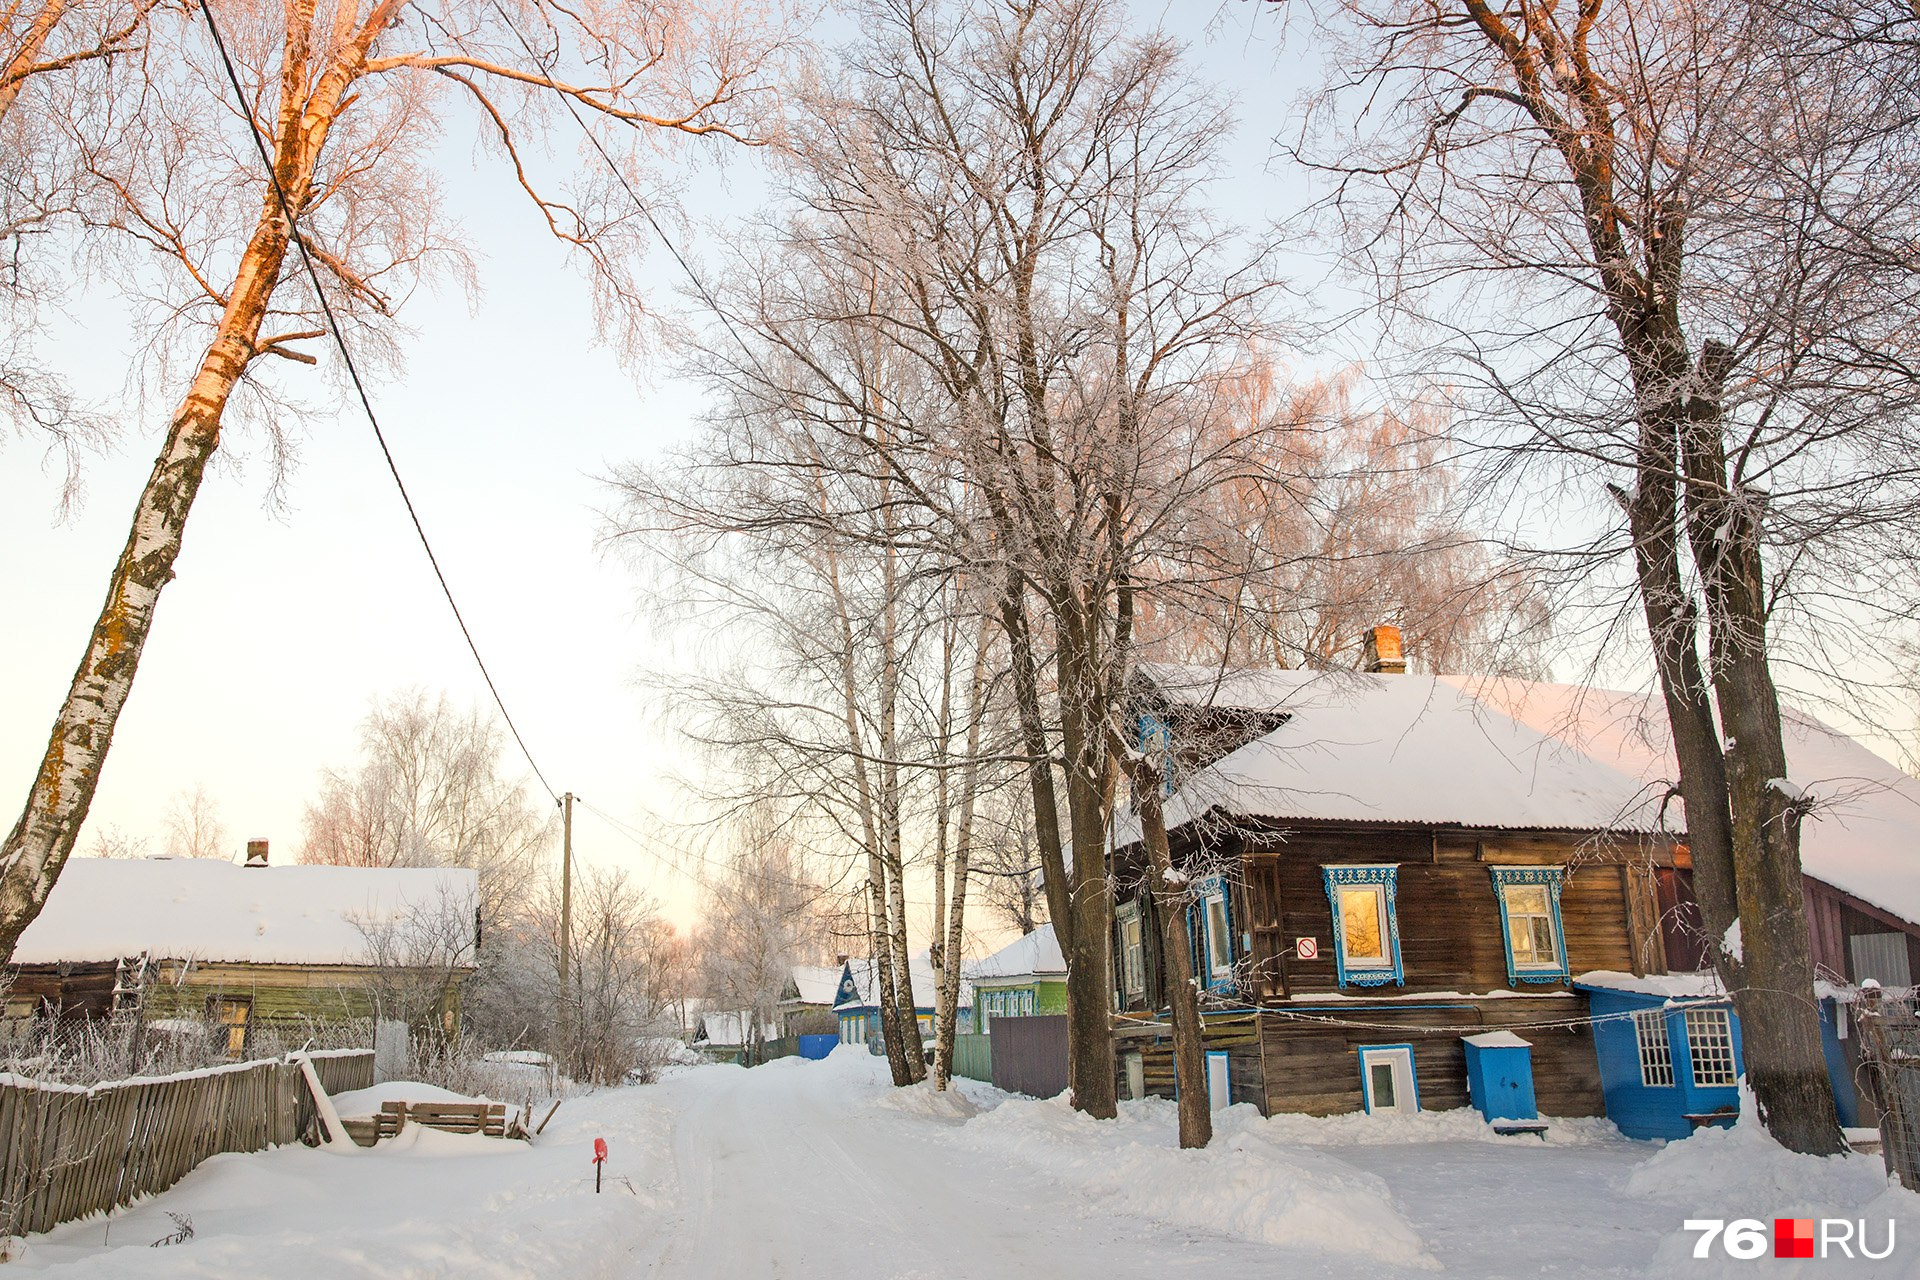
{"points": [[803, 1169]]}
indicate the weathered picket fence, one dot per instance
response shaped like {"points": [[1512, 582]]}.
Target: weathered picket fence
{"points": [[1890, 1062], [67, 1151]]}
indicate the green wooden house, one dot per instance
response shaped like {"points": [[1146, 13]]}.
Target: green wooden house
{"points": [[1024, 978], [245, 949]]}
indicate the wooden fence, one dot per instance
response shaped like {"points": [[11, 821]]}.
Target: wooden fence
{"points": [[1030, 1054], [68, 1151], [1890, 1034], [973, 1057]]}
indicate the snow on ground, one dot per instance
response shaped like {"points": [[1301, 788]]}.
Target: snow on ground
{"points": [[1742, 1173], [1245, 1184], [804, 1169]]}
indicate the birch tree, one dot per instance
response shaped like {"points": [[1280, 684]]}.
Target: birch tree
{"points": [[50, 56], [840, 690], [429, 790], [1022, 182], [1676, 256], [346, 100]]}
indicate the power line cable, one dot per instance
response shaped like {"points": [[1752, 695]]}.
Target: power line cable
{"points": [[353, 372], [645, 210]]}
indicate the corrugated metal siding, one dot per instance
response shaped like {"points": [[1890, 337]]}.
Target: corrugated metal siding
{"points": [[1030, 1054]]}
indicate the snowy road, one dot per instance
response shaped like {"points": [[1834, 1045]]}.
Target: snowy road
{"points": [[791, 1170], [820, 1169]]}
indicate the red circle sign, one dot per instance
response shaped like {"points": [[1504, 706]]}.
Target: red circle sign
{"points": [[1306, 948]]}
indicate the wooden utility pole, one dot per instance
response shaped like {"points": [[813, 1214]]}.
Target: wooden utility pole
{"points": [[566, 885], [566, 919]]}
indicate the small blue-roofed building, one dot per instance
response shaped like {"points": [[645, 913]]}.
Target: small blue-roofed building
{"points": [[1500, 1080], [857, 1003], [1670, 1052]]}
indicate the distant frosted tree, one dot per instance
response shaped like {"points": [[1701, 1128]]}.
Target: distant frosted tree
{"points": [[193, 826]]}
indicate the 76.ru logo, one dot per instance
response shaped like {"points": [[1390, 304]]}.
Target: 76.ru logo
{"points": [[1747, 1238]]}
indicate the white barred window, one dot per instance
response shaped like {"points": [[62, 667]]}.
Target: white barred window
{"points": [[1656, 1054], [1710, 1045]]}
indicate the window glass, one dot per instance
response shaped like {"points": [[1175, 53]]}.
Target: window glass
{"points": [[1710, 1042], [1219, 948], [1382, 1076], [232, 1015], [1360, 924], [1133, 969], [1656, 1054], [1530, 926]]}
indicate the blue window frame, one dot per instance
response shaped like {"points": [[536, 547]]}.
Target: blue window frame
{"points": [[1210, 926], [1529, 899], [1366, 928], [1152, 734]]}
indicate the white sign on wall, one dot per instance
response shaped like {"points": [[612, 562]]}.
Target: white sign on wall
{"points": [[1306, 948]]}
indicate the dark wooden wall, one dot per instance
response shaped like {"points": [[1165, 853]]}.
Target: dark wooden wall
{"points": [[1834, 916], [1450, 929], [1315, 1068], [74, 990]]}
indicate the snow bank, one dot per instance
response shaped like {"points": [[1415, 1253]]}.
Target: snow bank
{"points": [[1245, 1184], [922, 1100], [1463, 1124], [359, 1103], [1743, 1173]]}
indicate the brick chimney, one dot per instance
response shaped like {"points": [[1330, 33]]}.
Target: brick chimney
{"points": [[1384, 655], [256, 853]]}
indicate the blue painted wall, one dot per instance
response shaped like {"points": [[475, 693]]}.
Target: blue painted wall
{"points": [[876, 1039], [1500, 1081], [1657, 1111]]}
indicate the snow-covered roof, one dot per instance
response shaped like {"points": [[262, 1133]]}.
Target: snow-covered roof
{"points": [[730, 1028], [1034, 956], [1518, 754], [1260, 689], [925, 988], [1668, 986], [1497, 1040], [200, 909], [815, 983]]}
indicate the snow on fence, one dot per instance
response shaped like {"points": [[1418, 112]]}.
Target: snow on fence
{"points": [[68, 1151]]}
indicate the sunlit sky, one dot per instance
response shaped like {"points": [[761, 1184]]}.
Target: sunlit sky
{"points": [[292, 610], [287, 617]]}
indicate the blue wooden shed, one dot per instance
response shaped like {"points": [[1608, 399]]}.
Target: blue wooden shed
{"points": [[1670, 1053], [1500, 1076]]}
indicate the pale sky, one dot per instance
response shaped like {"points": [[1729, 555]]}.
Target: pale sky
{"points": [[283, 623]]}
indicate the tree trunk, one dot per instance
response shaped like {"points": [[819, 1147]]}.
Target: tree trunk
{"points": [[13, 76], [1089, 954], [83, 729], [1033, 733], [1779, 1019], [946, 1020], [879, 945], [1183, 998], [62, 792]]}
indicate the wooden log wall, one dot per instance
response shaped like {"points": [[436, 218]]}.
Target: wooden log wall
{"points": [[1450, 930], [1314, 1067], [67, 1152]]}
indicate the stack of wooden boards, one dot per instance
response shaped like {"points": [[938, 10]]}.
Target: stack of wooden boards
{"points": [[489, 1119]]}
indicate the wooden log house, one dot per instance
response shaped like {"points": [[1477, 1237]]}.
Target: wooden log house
{"points": [[244, 949], [1382, 864]]}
